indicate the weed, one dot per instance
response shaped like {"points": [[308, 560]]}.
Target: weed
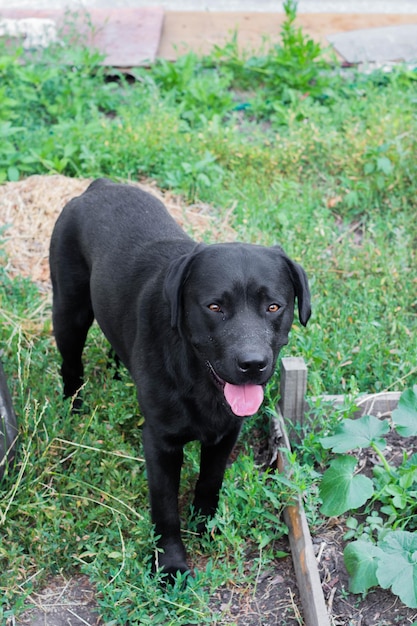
{"points": [[198, 92], [289, 72]]}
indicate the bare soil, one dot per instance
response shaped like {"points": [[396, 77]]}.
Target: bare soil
{"points": [[63, 602]]}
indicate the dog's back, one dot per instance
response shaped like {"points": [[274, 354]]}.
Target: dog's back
{"points": [[107, 245], [113, 216]]}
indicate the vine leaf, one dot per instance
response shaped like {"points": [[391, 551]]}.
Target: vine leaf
{"points": [[397, 567], [359, 433], [341, 490], [361, 561], [405, 415]]}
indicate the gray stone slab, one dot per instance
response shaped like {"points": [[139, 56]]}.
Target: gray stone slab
{"points": [[391, 43]]}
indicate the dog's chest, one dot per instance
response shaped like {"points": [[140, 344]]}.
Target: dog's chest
{"points": [[208, 419]]}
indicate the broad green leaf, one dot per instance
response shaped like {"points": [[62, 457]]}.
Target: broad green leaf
{"points": [[408, 472], [13, 173], [405, 415], [384, 165], [397, 567], [361, 561], [411, 463], [360, 433], [369, 167], [340, 490]]}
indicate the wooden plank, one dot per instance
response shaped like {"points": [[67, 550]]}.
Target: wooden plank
{"points": [[304, 560], [379, 404], [127, 36], [8, 424], [293, 389], [292, 407], [200, 31]]}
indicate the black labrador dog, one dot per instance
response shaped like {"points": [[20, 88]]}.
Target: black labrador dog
{"points": [[199, 328]]}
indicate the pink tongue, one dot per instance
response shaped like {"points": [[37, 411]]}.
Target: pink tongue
{"points": [[244, 400]]}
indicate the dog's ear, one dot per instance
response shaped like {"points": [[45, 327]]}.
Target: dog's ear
{"points": [[177, 274], [302, 292], [301, 288]]}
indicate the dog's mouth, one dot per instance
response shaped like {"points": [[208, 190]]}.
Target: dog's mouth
{"points": [[244, 400]]}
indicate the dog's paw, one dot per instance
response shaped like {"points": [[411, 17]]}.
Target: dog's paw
{"points": [[201, 526], [76, 403], [77, 406], [171, 564], [176, 576], [172, 574]]}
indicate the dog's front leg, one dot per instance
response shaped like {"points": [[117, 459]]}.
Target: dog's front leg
{"points": [[213, 462], [163, 467]]}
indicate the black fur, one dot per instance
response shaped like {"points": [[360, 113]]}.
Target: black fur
{"points": [[118, 256]]}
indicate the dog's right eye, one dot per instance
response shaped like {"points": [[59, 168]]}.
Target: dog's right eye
{"points": [[214, 307]]}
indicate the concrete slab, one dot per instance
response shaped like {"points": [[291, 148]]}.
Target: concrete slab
{"points": [[126, 36], [392, 43]]}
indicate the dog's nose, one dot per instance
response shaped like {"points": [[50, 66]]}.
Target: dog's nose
{"points": [[252, 363]]}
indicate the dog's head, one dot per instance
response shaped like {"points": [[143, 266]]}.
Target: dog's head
{"points": [[234, 303]]}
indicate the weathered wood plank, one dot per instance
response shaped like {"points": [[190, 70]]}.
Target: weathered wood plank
{"points": [[8, 424], [304, 560], [378, 404], [292, 407], [293, 389]]}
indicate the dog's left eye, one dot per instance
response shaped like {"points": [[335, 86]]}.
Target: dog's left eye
{"points": [[214, 307], [273, 308]]}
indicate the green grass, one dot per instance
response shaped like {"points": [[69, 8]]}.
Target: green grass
{"points": [[326, 167]]}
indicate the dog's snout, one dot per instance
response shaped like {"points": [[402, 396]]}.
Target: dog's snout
{"points": [[252, 363]]}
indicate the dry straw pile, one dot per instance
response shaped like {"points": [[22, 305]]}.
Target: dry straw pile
{"points": [[29, 209]]}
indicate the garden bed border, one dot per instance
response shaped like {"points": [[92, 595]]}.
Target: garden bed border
{"points": [[292, 407]]}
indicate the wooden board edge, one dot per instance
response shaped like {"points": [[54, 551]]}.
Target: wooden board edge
{"points": [[304, 560]]}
